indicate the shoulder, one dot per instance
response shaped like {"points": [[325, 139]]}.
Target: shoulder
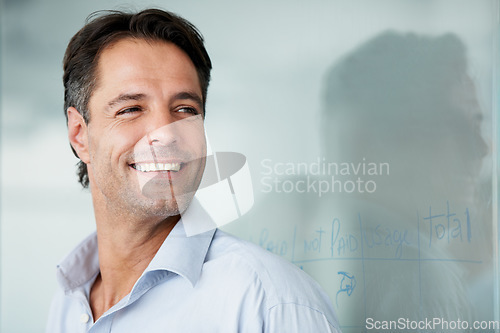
{"points": [[278, 277], [285, 287]]}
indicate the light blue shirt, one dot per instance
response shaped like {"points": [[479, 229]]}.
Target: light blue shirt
{"points": [[211, 282]]}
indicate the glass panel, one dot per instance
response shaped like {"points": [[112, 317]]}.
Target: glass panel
{"points": [[369, 130]]}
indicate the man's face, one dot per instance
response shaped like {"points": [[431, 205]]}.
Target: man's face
{"points": [[146, 143]]}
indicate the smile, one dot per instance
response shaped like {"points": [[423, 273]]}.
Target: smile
{"points": [[155, 167]]}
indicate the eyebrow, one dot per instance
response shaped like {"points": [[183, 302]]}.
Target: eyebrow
{"points": [[125, 98], [191, 96], [139, 97]]}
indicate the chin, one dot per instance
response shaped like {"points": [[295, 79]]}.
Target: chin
{"points": [[165, 207], [172, 199]]}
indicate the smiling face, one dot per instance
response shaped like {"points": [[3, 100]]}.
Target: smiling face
{"points": [[144, 145]]}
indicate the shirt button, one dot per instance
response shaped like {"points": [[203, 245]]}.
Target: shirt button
{"points": [[84, 318]]}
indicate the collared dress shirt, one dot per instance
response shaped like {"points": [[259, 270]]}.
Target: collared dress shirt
{"points": [[210, 282]]}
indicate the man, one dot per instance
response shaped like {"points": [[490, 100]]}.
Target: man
{"points": [[135, 92]]}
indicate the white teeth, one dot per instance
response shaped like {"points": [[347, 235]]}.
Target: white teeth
{"points": [[151, 167]]}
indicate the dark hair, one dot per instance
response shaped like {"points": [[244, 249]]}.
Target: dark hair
{"points": [[104, 28]]}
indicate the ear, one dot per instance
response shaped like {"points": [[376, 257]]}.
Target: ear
{"points": [[78, 134]]}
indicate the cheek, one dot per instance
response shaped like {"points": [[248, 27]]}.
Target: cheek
{"points": [[201, 145], [193, 137], [112, 148]]}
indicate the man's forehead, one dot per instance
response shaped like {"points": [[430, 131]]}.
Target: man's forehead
{"points": [[138, 53], [134, 63]]}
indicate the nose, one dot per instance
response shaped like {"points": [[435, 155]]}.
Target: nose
{"points": [[164, 130], [482, 146]]}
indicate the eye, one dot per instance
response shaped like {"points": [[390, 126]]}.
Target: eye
{"points": [[129, 110], [188, 109]]}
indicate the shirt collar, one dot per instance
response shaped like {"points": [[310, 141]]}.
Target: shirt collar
{"points": [[80, 265], [179, 254]]}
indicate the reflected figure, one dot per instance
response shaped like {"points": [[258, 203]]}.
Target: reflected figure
{"points": [[408, 101]]}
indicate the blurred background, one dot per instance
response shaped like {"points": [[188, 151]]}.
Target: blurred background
{"points": [[359, 84]]}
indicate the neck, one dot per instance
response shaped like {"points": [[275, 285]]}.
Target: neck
{"points": [[126, 245]]}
